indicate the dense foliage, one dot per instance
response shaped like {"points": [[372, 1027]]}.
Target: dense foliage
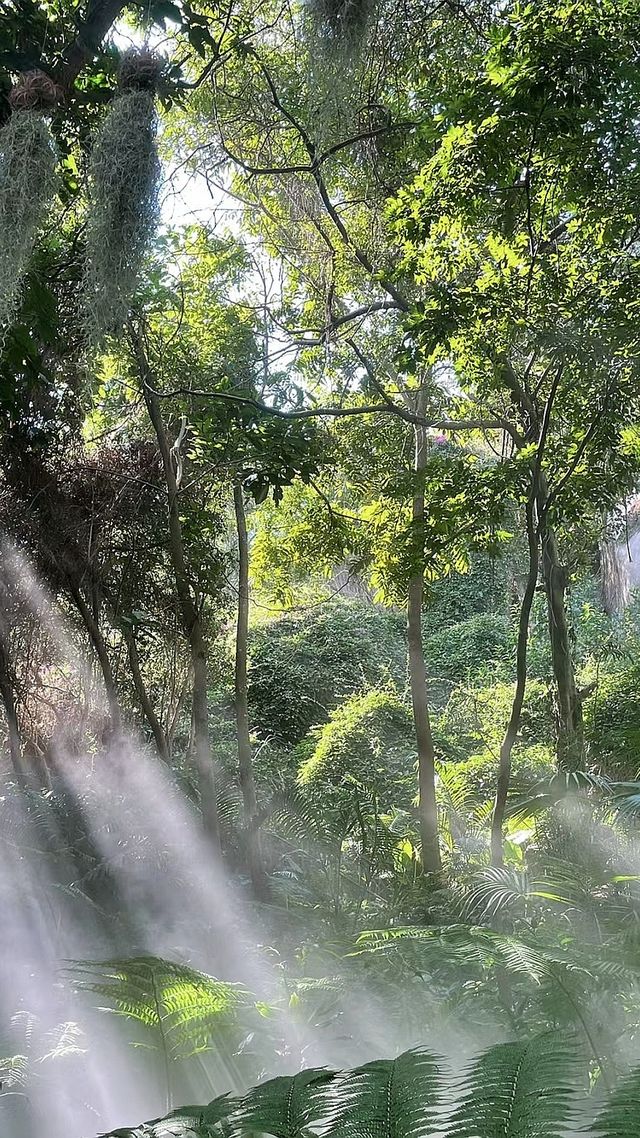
{"points": [[319, 637]]}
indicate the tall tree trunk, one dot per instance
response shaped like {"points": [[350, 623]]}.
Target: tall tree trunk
{"points": [[245, 758], [568, 705], [9, 703], [144, 700], [427, 806], [101, 651], [190, 611], [513, 726]]}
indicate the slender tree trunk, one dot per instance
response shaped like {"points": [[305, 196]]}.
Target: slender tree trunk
{"points": [[9, 703], [144, 700], [513, 726], [101, 651], [245, 758], [569, 725], [191, 615], [427, 806]]}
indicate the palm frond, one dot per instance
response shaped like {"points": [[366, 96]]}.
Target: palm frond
{"points": [[518, 1090], [388, 1098], [625, 798]]}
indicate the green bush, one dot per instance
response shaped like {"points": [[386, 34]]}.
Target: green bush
{"points": [[368, 742], [612, 721], [475, 718], [303, 666], [530, 763], [459, 597], [481, 643]]}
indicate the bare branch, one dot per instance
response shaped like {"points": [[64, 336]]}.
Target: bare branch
{"points": [[453, 425]]}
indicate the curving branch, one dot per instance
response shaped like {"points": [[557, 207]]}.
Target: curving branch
{"points": [[386, 408]]}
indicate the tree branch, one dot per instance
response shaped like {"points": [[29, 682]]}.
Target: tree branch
{"points": [[452, 425], [99, 18]]}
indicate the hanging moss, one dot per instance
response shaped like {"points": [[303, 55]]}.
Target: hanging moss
{"points": [[342, 21], [124, 178], [27, 182]]}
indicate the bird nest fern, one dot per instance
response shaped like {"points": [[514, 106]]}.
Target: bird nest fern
{"points": [[27, 184], [124, 175]]}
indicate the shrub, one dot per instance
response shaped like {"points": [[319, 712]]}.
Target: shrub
{"points": [[470, 647], [455, 599], [612, 721], [530, 763], [368, 742], [469, 733], [301, 667]]}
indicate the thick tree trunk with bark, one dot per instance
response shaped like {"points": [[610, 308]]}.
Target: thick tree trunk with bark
{"points": [[245, 758], [513, 726], [190, 611], [568, 705], [427, 806]]}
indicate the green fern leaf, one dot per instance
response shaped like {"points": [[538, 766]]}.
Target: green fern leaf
{"points": [[388, 1098], [286, 1106], [184, 1005], [620, 1118], [518, 1090]]}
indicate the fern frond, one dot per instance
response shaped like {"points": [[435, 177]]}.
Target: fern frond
{"points": [[186, 1005], [388, 1098], [284, 1106], [187, 1122], [195, 1121], [473, 945], [620, 1118], [14, 1070], [518, 1090], [64, 1039]]}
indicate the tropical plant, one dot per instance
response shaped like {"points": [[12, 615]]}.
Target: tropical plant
{"points": [[528, 1088], [181, 1006]]}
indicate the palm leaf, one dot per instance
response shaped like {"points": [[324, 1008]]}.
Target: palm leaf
{"points": [[518, 1090], [388, 1098]]}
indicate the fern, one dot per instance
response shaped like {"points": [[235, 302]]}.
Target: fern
{"points": [[514, 1090], [620, 1118], [183, 1005], [388, 1098], [14, 1070], [285, 1106], [518, 1090]]}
